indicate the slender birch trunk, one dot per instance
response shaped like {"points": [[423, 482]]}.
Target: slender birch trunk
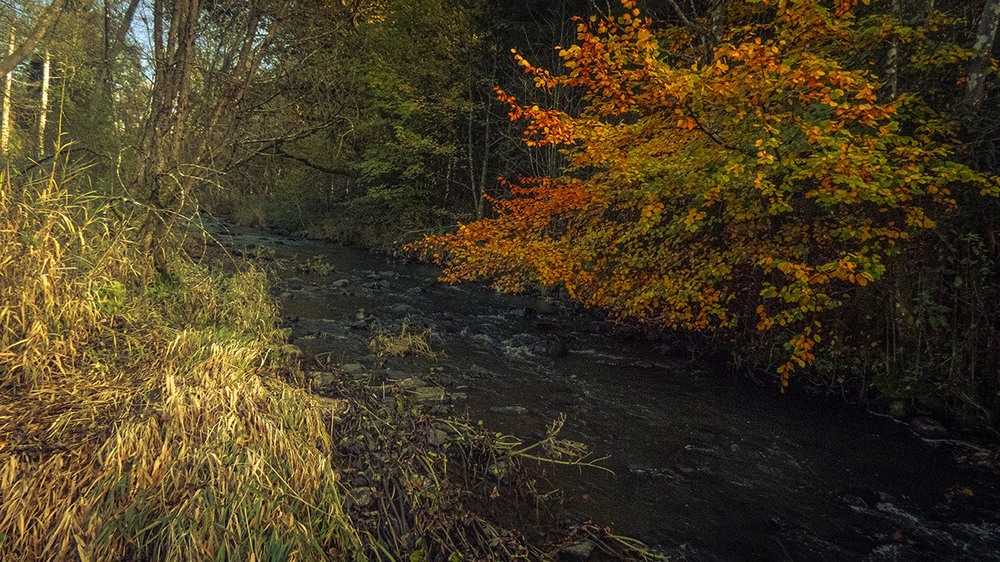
{"points": [[46, 21], [7, 87], [892, 57], [43, 114]]}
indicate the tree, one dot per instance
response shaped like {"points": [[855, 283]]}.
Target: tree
{"points": [[8, 84], [161, 175], [212, 52], [114, 35], [982, 46], [16, 54], [756, 187], [384, 122], [46, 21]]}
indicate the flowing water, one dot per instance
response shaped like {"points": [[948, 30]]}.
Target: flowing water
{"points": [[707, 465]]}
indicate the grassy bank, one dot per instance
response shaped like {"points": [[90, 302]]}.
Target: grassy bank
{"points": [[152, 417], [143, 417]]}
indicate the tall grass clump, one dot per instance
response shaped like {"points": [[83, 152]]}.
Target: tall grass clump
{"points": [[406, 342], [61, 271], [143, 417]]}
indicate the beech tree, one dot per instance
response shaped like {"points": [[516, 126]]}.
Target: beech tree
{"points": [[758, 186]]}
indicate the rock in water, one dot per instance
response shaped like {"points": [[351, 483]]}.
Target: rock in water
{"points": [[899, 409], [552, 346], [360, 320], [511, 410], [425, 394], [352, 368], [402, 309], [577, 552], [928, 427]]}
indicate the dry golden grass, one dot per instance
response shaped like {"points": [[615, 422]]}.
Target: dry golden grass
{"points": [[143, 419], [406, 342], [58, 256]]}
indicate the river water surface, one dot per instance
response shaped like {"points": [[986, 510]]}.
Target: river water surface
{"points": [[707, 466]]}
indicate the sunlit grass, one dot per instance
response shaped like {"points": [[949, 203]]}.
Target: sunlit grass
{"points": [[142, 417], [406, 342]]}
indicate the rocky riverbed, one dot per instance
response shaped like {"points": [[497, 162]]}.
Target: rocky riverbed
{"points": [[707, 466]]}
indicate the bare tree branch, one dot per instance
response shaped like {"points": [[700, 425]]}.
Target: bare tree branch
{"points": [[686, 21], [46, 21]]}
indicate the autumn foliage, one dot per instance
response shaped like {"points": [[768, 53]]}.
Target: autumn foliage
{"points": [[754, 184]]}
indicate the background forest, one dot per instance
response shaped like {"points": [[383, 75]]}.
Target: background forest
{"points": [[806, 189], [823, 207], [396, 130]]}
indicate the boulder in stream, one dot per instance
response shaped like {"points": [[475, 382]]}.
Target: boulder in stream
{"points": [[552, 345], [360, 321], [580, 551], [510, 410], [402, 309], [929, 428], [426, 394], [352, 368], [481, 372], [407, 382]]}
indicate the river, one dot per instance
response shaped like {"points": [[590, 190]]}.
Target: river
{"points": [[707, 465]]}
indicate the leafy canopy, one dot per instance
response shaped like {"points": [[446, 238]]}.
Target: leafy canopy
{"points": [[757, 184]]}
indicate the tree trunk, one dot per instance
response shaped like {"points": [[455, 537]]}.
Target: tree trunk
{"points": [[113, 43], [892, 56], [254, 43], [981, 48], [717, 15], [44, 109], [46, 21], [164, 183], [927, 9], [5, 117]]}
